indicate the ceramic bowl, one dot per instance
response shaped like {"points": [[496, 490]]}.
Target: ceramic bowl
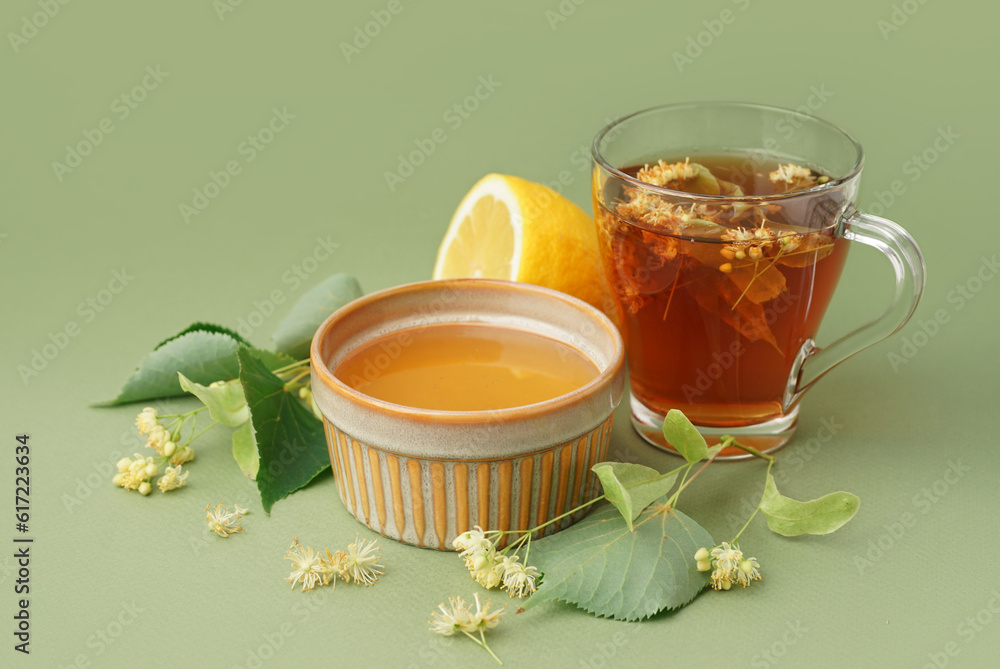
{"points": [[424, 476]]}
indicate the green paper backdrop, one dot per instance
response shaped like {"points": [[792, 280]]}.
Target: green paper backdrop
{"points": [[165, 163]]}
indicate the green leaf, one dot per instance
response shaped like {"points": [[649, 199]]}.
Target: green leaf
{"points": [[790, 518], [631, 488], [606, 569], [682, 435], [290, 441], [202, 352], [245, 450], [295, 331], [226, 403]]}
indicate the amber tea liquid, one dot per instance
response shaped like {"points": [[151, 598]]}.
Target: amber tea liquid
{"points": [[715, 301]]}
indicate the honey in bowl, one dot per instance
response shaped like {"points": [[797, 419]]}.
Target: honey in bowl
{"points": [[465, 367]]}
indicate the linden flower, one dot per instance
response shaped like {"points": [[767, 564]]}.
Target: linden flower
{"points": [[486, 569], [518, 579], [458, 617], [729, 566], [157, 438], [135, 474], [224, 522], [334, 565], [727, 558], [790, 173], [482, 619], [185, 454], [663, 173], [172, 479], [453, 619], [307, 566], [749, 571], [146, 420], [473, 543], [361, 562]]}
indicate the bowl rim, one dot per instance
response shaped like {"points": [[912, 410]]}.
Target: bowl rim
{"points": [[537, 409]]}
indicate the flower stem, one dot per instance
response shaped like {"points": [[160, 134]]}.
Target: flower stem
{"points": [[482, 643], [288, 368], [202, 432], [752, 515], [528, 533], [749, 449]]}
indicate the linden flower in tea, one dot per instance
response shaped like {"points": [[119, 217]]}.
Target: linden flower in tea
{"points": [[748, 277]]}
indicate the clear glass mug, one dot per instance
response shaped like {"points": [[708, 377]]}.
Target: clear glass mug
{"points": [[720, 292]]}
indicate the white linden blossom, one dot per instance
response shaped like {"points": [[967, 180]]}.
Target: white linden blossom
{"points": [[333, 565], [307, 566], [361, 561], [157, 438], [518, 579], [185, 454], [172, 479], [473, 543], [133, 474], [224, 522], [482, 619], [790, 173], [729, 566], [146, 420], [749, 571], [453, 619], [486, 569], [727, 558]]}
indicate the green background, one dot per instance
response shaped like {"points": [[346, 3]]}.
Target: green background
{"points": [[893, 588]]}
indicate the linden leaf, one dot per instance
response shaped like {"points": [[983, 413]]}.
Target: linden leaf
{"points": [[755, 284], [202, 352], [290, 441], [631, 488], [744, 316], [684, 436], [605, 568], [295, 331], [226, 403], [789, 517], [245, 450]]}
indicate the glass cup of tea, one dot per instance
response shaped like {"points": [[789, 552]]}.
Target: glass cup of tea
{"points": [[723, 230]]}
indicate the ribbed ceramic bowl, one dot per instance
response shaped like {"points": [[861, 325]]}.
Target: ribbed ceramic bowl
{"points": [[424, 476]]}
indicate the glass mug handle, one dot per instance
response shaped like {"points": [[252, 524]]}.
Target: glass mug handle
{"points": [[902, 251]]}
